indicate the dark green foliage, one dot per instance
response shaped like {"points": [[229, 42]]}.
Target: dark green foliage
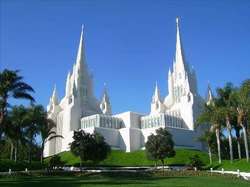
{"points": [[5, 165], [89, 147], [11, 86], [195, 161], [160, 146], [55, 161]]}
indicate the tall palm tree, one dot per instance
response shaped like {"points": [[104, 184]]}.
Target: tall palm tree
{"points": [[31, 130], [243, 109], [226, 101], [208, 138], [11, 85], [46, 128], [16, 124], [212, 116]]}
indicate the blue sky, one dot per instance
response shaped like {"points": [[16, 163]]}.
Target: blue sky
{"points": [[129, 44]]}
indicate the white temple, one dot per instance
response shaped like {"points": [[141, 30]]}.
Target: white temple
{"points": [[128, 131]]}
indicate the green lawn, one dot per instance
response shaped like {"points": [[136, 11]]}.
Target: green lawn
{"points": [[242, 165], [128, 181], [138, 158]]}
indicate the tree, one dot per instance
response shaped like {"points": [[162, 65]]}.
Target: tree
{"points": [[226, 101], [160, 146], [15, 126], [89, 147], [11, 85], [33, 117], [243, 109], [208, 137], [212, 115], [45, 127], [195, 161]]}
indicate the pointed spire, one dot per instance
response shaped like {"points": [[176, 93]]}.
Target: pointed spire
{"points": [[68, 85], [54, 97], [81, 52], [209, 95], [105, 103], [169, 72], [80, 61], [157, 93], [179, 58]]}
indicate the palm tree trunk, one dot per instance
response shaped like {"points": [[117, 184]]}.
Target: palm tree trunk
{"points": [[210, 155], [239, 149], [30, 152], [218, 143], [230, 140], [42, 152], [11, 151], [15, 154], [245, 141]]}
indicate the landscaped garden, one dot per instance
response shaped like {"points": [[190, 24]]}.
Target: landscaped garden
{"points": [[20, 125], [175, 179]]}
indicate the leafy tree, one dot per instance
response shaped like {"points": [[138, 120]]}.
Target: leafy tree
{"points": [[89, 147], [195, 161], [11, 86], [55, 161], [160, 146]]}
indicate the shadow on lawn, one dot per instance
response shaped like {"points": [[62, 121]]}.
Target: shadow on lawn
{"points": [[77, 181]]}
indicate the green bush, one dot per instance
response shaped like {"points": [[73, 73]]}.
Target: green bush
{"points": [[195, 161], [5, 165]]}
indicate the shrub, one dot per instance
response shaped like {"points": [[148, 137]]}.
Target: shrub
{"points": [[6, 164], [195, 161]]}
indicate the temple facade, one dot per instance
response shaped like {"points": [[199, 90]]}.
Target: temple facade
{"points": [[128, 131]]}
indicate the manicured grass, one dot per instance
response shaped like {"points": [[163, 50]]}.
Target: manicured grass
{"points": [[242, 165], [138, 158], [122, 181]]}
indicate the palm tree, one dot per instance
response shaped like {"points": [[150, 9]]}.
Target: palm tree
{"points": [[208, 137], [31, 130], [11, 85], [46, 128], [212, 116], [16, 124], [226, 101], [243, 109]]}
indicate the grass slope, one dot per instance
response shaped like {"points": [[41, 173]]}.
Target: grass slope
{"points": [[122, 181], [137, 158], [242, 165]]}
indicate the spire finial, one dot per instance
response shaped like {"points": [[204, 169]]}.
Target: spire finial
{"points": [[54, 96], [177, 21]]}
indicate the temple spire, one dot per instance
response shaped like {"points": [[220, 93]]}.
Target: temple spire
{"points": [[81, 52], [209, 95], [179, 58], [68, 85], [54, 99], [105, 105], [157, 93]]}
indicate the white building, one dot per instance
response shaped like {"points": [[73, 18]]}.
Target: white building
{"points": [[79, 109]]}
